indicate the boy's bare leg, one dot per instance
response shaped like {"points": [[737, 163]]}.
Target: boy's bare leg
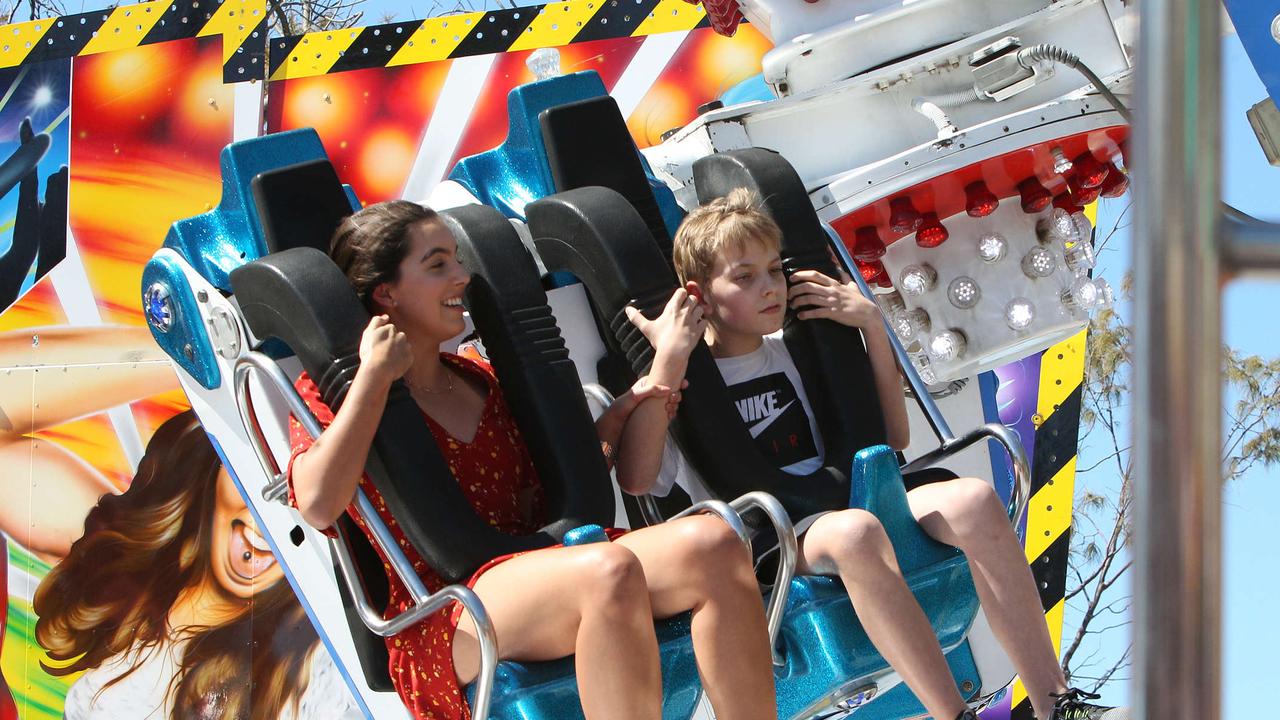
{"points": [[699, 564], [589, 600], [853, 545], [968, 514]]}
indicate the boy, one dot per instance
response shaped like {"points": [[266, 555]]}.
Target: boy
{"points": [[727, 255]]}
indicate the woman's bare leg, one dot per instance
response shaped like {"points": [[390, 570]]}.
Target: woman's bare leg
{"points": [[590, 601], [853, 545], [699, 564], [968, 514]]}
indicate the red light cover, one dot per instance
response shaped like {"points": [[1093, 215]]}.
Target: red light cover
{"points": [[1034, 195], [884, 280], [903, 217], [867, 245], [1067, 201], [1087, 171], [932, 232], [1116, 184], [872, 272], [979, 200], [1082, 195]]}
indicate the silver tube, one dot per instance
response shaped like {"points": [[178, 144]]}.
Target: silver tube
{"points": [[788, 552], [720, 509], [1021, 492], [1250, 247], [648, 506], [425, 602], [930, 408], [1177, 360]]}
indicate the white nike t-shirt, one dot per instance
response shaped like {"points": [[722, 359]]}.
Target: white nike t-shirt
{"points": [[765, 388]]}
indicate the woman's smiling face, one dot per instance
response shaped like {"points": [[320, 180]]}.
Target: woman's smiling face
{"points": [[241, 559]]}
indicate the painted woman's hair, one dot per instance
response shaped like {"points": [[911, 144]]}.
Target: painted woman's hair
{"points": [[113, 592]]}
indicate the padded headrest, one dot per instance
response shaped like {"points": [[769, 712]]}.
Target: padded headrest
{"points": [[300, 297], [831, 358], [595, 234], [588, 143], [299, 205], [509, 309], [569, 231]]}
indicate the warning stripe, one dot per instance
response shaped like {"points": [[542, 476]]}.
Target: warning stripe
{"points": [[477, 33], [241, 23]]}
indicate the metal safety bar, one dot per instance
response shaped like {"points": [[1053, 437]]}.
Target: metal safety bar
{"points": [[1185, 245], [424, 603], [1020, 494], [731, 514]]}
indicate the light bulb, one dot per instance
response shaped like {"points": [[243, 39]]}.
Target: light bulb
{"points": [[1084, 295], [1057, 225], [947, 345], [907, 324], [1039, 262], [917, 279], [544, 63], [1019, 313], [1079, 256], [963, 292], [992, 247]]}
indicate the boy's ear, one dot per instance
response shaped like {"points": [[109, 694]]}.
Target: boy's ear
{"points": [[695, 290]]}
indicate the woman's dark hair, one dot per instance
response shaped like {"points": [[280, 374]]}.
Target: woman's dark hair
{"points": [[369, 245], [113, 592]]}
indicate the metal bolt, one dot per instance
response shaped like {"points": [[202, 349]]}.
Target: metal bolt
{"points": [[1275, 28], [202, 296], [967, 686], [35, 341], [188, 352]]}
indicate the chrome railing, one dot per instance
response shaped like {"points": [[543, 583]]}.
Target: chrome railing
{"points": [[424, 603]]}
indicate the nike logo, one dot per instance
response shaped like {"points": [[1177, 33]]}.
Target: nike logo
{"points": [[761, 411]]}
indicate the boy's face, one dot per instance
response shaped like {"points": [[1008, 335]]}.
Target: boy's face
{"points": [[746, 293]]}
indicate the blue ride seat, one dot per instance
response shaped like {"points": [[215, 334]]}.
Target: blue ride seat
{"points": [[281, 201]]}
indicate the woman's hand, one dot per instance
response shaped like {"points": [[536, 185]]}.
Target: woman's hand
{"points": [[822, 296], [385, 353], [678, 329]]}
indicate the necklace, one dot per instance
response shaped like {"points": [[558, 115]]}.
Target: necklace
{"points": [[448, 377]]}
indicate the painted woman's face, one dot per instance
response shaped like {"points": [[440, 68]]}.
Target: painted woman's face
{"points": [[242, 560]]}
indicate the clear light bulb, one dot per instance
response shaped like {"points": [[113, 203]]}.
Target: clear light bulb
{"points": [[924, 368], [1039, 262], [891, 301], [1084, 295], [992, 247], [907, 324], [963, 292], [1079, 256], [917, 279], [1019, 313], [1057, 225], [1106, 296], [544, 63], [1083, 229], [947, 345]]}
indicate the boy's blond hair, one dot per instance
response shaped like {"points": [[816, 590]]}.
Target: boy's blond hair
{"points": [[730, 221]]}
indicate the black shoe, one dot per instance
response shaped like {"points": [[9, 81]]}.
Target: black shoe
{"points": [[1072, 705]]}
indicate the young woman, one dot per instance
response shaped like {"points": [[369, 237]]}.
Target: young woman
{"points": [[596, 601], [173, 606]]}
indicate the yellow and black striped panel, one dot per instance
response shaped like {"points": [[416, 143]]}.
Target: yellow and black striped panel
{"points": [[1053, 475], [477, 33], [241, 23]]}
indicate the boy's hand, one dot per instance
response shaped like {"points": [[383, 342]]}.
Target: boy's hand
{"points": [[817, 295], [385, 354], [678, 329], [643, 390]]}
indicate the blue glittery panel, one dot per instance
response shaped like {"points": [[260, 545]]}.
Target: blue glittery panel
{"points": [[828, 654], [223, 239], [186, 340], [899, 702], [516, 173], [549, 690], [585, 535]]}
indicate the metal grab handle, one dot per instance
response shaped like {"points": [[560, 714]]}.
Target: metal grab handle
{"points": [[1021, 493], [788, 554], [424, 602]]}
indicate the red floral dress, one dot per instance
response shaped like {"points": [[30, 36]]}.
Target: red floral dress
{"points": [[494, 471]]}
